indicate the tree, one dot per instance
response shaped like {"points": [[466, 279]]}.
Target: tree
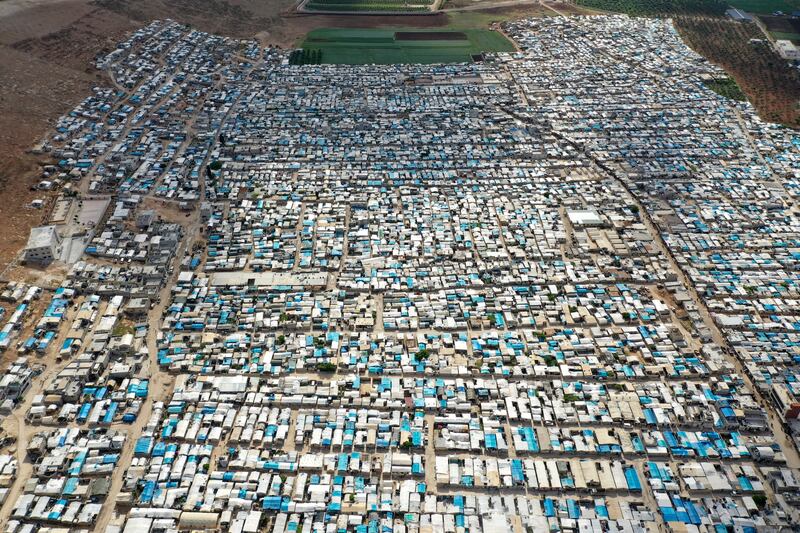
{"points": [[760, 499], [326, 367]]}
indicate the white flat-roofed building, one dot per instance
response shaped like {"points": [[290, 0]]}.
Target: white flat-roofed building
{"points": [[585, 218], [787, 49], [42, 246]]}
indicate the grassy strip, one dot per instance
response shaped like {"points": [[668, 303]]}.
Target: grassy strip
{"points": [[786, 35]]}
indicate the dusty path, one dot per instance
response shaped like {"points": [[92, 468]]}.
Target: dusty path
{"points": [[160, 389], [16, 424], [555, 10], [161, 383]]}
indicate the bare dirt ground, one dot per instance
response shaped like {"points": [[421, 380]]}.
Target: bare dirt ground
{"points": [[569, 8], [46, 52], [273, 22]]}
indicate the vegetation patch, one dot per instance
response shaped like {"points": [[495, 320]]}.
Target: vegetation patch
{"points": [[766, 6], [794, 37], [121, 329], [658, 7], [360, 6], [770, 84], [305, 57], [402, 45], [728, 88], [760, 499]]}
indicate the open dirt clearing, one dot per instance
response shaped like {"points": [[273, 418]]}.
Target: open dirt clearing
{"points": [[46, 52]]}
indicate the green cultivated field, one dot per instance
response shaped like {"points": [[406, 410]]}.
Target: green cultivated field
{"points": [[406, 6], [658, 7], [689, 7], [766, 6], [381, 46], [795, 37]]}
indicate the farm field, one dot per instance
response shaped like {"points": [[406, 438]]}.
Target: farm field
{"points": [[795, 37], [359, 6], [782, 27], [486, 17], [780, 24], [659, 7], [766, 6], [402, 45]]}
